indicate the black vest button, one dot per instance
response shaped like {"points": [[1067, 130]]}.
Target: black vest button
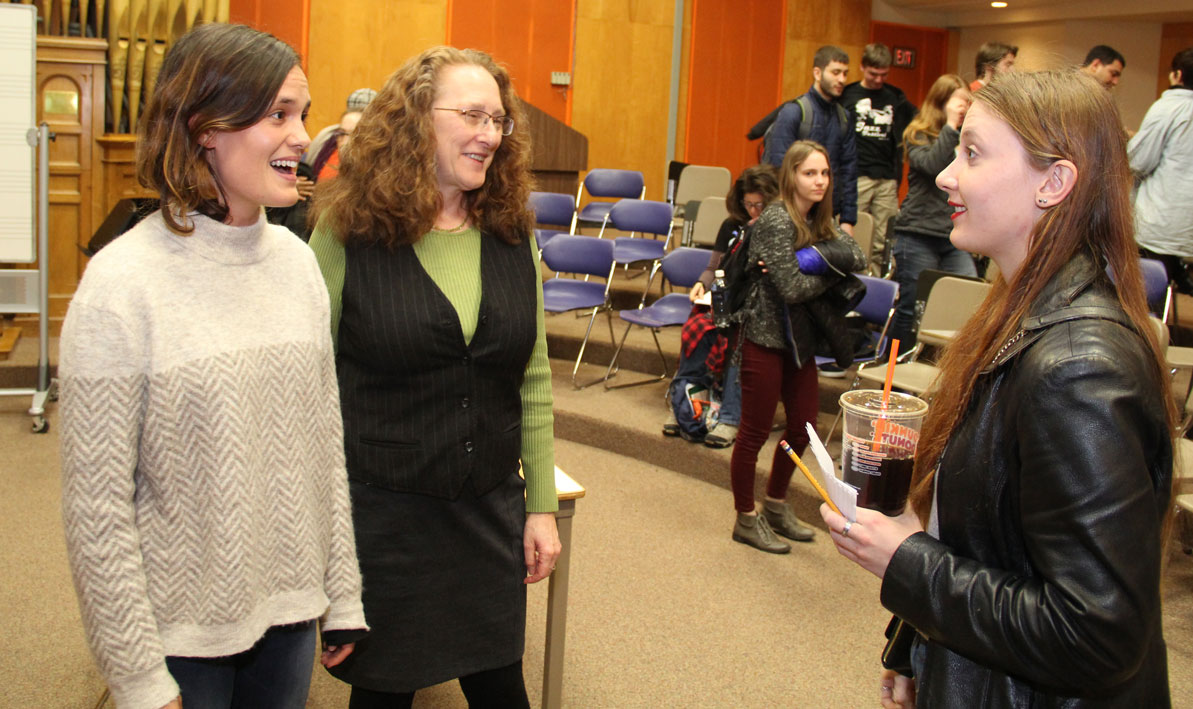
{"points": [[465, 403], [467, 446]]}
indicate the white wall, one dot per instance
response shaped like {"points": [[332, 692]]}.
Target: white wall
{"points": [[1052, 45]]}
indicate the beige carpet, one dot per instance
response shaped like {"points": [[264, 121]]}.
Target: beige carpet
{"points": [[665, 610]]}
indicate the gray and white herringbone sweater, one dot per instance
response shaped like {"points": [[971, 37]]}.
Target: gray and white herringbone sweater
{"points": [[204, 492]]}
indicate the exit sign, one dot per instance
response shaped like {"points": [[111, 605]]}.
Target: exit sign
{"points": [[904, 57]]}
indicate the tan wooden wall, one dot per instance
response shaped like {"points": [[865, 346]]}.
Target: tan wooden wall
{"points": [[358, 43]]}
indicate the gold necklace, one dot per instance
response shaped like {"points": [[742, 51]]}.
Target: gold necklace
{"points": [[458, 228]]}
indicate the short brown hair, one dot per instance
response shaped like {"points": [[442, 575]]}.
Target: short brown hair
{"points": [[990, 54], [387, 190], [877, 56], [217, 77]]}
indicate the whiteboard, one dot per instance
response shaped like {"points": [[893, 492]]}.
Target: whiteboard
{"points": [[18, 112]]}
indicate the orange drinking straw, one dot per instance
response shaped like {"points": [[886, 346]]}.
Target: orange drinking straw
{"points": [[880, 426], [808, 474]]}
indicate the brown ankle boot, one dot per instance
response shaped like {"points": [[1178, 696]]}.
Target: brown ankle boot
{"points": [[753, 530]]}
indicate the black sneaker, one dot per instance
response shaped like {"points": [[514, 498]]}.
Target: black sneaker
{"points": [[832, 371]]}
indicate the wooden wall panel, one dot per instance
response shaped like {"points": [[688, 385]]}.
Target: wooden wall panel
{"points": [[736, 68], [1174, 36], [622, 84], [811, 25], [360, 43], [531, 38]]}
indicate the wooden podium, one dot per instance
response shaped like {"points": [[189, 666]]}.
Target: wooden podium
{"points": [[559, 153]]}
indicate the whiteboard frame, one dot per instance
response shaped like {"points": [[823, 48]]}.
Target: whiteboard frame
{"points": [[24, 197]]}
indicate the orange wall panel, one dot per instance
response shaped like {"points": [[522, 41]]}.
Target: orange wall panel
{"points": [[532, 38], [932, 51], [286, 21], [735, 78]]}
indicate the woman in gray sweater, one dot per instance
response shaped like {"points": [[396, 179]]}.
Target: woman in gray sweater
{"points": [[204, 493]]}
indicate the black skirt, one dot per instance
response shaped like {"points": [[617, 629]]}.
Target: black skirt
{"points": [[443, 585]]}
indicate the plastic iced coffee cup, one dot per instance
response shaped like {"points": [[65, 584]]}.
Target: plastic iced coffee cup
{"points": [[878, 449]]}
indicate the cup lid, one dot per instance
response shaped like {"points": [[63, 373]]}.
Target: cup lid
{"points": [[868, 402]]}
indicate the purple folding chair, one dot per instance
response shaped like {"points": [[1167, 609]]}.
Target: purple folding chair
{"points": [[568, 254]]}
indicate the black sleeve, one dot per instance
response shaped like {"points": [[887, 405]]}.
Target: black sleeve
{"points": [[729, 228], [1083, 619]]}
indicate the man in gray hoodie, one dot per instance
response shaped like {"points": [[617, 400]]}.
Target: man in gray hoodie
{"points": [[1161, 156]]}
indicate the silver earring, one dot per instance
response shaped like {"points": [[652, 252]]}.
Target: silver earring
{"points": [[1042, 201]]}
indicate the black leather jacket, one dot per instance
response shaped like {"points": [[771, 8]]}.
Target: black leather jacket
{"points": [[1043, 589]]}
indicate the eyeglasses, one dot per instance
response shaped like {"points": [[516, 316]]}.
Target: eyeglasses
{"points": [[476, 118], [753, 205]]}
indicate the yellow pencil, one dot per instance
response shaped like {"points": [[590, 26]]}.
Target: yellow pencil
{"points": [[808, 474]]}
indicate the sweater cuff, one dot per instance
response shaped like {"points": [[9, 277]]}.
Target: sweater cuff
{"points": [[344, 615], [150, 689]]}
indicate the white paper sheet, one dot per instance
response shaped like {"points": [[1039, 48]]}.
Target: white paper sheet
{"points": [[842, 495]]}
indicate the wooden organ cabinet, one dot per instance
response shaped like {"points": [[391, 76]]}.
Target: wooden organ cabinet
{"points": [[70, 98]]}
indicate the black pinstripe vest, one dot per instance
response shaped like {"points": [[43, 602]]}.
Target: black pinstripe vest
{"points": [[423, 412]]}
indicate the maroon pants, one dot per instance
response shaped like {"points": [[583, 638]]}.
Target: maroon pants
{"points": [[768, 376]]}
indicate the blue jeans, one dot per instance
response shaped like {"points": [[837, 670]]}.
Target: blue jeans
{"points": [[273, 674], [915, 253], [731, 397]]}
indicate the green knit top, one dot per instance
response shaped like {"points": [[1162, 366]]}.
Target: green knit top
{"points": [[452, 260]]}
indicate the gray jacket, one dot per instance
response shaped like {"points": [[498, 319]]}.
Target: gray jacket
{"points": [[926, 209], [771, 241], [1161, 155]]}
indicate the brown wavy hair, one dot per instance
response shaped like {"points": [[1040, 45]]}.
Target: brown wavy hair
{"points": [[217, 77], [760, 178], [821, 213], [1057, 115], [388, 190], [926, 125]]}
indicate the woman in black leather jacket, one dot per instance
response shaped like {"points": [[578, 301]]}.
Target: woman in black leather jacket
{"points": [[1044, 470]]}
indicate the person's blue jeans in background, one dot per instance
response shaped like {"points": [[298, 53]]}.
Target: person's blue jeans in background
{"points": [[915, 253], [273, 674], [731, 397]]}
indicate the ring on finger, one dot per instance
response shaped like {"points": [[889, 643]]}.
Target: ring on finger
{"points": [[846, 528]]}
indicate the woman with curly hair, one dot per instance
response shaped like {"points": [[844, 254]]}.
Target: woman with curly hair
{"points": [[426, 245]]}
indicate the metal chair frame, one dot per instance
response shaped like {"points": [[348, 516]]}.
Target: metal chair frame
{"points": [[682, 267]]}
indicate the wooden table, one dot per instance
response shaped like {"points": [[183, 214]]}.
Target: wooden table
{"points": [[557, 591]]}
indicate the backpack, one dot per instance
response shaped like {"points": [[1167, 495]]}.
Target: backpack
{"points": [[805, 121], [693, 404], [739, 277]]}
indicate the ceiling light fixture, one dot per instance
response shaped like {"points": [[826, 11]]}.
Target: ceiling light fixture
{"points": [[998, 3]]}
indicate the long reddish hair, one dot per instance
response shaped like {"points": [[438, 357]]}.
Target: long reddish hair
{"points": [[1056, 115]]}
